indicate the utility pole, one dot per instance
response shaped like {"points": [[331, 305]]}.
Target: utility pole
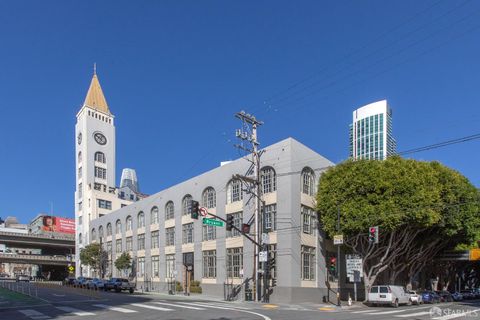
{"points": [[248, 132]]}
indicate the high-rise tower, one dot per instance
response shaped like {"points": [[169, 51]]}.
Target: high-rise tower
{"points": [[371, 132]]}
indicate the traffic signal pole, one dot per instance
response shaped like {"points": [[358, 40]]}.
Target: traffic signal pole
{"points": [[338, 258]]}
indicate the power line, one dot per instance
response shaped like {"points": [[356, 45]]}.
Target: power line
{"points": [[441, 144]]}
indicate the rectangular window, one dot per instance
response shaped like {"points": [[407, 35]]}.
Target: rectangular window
{"points": [[104, 204], [308, 263], [80, 191], [109, 247], [141, 241], [209, 233], [170, 236], [129, 244], [270, 218], [237, 222], [80, 206], [141, 267], [187, 233], [308, 220], [156, 266], [170, 265], [234, 262], [118, 246], [155, 240], [80, 173], [80, 220], [100, 173], [210, 264]]}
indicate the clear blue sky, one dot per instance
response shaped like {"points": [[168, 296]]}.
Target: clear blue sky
{"points": [[175, 72]]}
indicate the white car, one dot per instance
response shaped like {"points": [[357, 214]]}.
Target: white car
{"points": [[391, 295], [415, 298]]}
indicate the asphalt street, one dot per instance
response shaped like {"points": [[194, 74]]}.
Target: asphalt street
{"points": [[72, 304]]}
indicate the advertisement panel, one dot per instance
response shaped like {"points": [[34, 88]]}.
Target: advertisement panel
{"points": [[57, 224]]}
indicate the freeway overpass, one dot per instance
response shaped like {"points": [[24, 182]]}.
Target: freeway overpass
{"points": [[12, 239], [35, 259]]}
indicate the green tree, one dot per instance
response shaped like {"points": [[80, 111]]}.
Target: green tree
{"points": [[124, 262], [420, 207], [95, 257]]}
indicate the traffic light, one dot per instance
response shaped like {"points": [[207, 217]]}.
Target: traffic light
{"points": [[245, 228], [373, 235], [194, 209], [229, 222], [333, 265]]}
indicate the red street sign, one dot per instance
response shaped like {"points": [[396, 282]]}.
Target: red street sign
{"points": [[203, 211]]}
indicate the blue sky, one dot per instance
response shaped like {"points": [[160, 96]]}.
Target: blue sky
{"points": [[175, 72]]}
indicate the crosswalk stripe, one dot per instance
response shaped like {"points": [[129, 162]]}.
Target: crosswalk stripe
{"points": [[458, 315], [412, 314], [33, 314], [387, 312], [150, 307], [226, 305], [123, 310], [364, 311], [227, 308], [179, 306], [75, 311]]}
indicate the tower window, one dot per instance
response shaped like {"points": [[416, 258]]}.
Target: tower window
{"points": [[100, 173], [100, 157], [79, 156]]}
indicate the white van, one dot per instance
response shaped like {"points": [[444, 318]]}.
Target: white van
{"points": [[392, 295]]}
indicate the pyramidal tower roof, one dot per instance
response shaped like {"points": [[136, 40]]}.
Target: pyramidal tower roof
{"points": [[95, 98]]}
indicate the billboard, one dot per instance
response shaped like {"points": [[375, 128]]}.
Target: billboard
{"points": [[57, 224]]}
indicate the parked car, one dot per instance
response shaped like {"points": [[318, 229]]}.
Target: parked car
{"points": [[96, 283], [69, 281], [22, 277], [4, 276], [430, 297], [467, 294], [391, 295], [457, 296], [477, 293], [415, 298], [81, 282], [119, 284], [445, 296]]}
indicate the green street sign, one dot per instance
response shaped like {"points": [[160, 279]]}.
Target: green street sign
{"points": [[212, 222]]}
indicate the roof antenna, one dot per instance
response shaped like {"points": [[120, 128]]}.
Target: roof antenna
{"points": [[94, 68]]}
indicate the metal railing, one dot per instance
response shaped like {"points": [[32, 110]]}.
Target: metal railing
{"points": [[20, 287]]}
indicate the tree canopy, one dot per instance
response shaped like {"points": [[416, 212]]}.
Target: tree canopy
{"points": [[93, 256], [124, 262]]}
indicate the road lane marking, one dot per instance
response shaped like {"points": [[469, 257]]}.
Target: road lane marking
{"points": [[364, 311], [457, 315], [179, 306], [33, 314], [140, 305], [228, 308], [326, 309], [412, 314], [75, 311], [118, 309], [270, 306], [396, 311]]}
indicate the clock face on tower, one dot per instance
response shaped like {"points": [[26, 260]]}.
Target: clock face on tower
{"points": [[100, 138], [79, 138]]}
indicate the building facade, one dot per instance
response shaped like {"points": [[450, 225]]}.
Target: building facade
{"points": [[158, 231], [371, 132]]}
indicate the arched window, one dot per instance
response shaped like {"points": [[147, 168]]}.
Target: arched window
{"points": [[186, 204], [100, 232], [94, 235], [269, 180], [109, 229], [234, 191], [308, 181], [79, 156], [169, 210], [118, 227], [209, 198], [154, 215], [128, 226], [141, 220], [100, 157], [80, 238]]}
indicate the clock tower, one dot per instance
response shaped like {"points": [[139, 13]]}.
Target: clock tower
{"points": [[95, 164]]}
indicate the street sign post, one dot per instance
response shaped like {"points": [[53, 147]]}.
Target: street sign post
{"points": [[262, 256], [338, 239], [354, 264], [212, 222]]}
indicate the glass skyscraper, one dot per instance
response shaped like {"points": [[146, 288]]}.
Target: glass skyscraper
{"points": [[371, 132]]}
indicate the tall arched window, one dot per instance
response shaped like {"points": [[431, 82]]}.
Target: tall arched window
{"points": [[154, 215], [79, 158], [234, 191], [80, 238], [94, 235], [118, 227], [308, 181], [109, 229], [100, 157], [128, 222], [186, 204], [141, 220], [100, 232], [269, 180], [209, 198], [169, 210]]}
